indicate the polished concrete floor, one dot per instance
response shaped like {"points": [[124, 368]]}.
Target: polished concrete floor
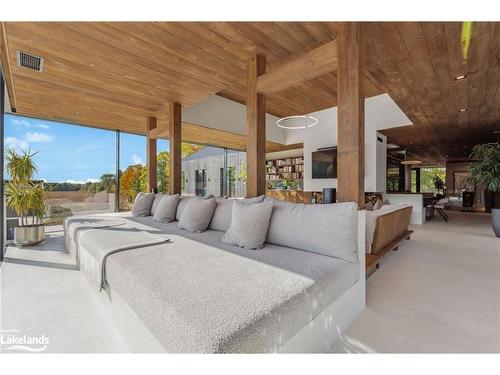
{"points": [[439, 293], [43, 293]]}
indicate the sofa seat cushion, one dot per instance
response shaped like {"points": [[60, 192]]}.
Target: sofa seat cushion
{"points": [[328, 229], [188, 293]]}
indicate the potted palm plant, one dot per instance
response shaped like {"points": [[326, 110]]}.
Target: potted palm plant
{"points": [[485, 170], [26, 197]]}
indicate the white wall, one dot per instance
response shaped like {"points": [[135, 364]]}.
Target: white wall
{"points": [[381, 112], [414, 200], [224, 114]]}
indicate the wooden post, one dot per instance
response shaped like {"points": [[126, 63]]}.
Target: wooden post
{"points": [[417, 183], [351, 118], [256, 129], [151, 155], [174, 135], [407, 178]]}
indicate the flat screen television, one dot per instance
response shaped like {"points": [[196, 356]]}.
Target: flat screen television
{"points": [[324, 163]]}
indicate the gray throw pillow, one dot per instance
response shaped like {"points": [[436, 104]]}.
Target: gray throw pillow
{"points": [[224, 209], [142, 204], [165, 212], [183, 203], [197, 214], [249, 224], [156, 202]]}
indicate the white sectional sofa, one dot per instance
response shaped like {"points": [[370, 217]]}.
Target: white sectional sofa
{"points": [[196, 294]]}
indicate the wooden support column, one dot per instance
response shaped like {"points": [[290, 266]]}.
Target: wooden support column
{"points": [[256, 129], [151, 155], [175, 139], [351, 118]]}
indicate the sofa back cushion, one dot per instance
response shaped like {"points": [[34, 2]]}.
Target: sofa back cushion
{"points": [[142, 204], [223, 212], [197, 214], [166, 210], [328, 229]]}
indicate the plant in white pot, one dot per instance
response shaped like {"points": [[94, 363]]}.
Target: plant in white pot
{"points": [[485, 170], [25, 197]]}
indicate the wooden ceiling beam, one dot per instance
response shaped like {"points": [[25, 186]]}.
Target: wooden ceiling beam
{"points": [[204, 135], [312, 64]]}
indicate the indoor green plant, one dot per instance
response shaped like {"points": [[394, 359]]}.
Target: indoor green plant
{"points": [[25, 197], [485, 170], [438, 184]]}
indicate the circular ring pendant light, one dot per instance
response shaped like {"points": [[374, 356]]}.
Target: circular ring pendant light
{"points": [[309, 122]]}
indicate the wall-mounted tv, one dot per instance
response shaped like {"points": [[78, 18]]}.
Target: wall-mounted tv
{"points": [[324, 163]]}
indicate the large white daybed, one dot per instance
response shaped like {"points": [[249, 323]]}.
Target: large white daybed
{"points": [[196, 294]]}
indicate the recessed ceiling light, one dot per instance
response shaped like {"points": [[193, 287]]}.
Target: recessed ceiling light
{"points": [[77, 113], [462, 110], [410, 142], [458, 78]]}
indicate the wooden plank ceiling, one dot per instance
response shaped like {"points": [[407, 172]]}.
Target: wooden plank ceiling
{"points": [[418, 63], [115, 75]]}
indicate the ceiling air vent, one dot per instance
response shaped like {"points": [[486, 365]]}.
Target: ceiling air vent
{"points": [[29, 61]]}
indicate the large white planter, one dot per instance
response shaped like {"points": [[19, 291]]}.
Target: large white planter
{"points": [[29, 235]]}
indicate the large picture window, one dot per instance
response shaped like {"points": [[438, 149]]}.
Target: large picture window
{"points": [[88, 170], [75, 163]]}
